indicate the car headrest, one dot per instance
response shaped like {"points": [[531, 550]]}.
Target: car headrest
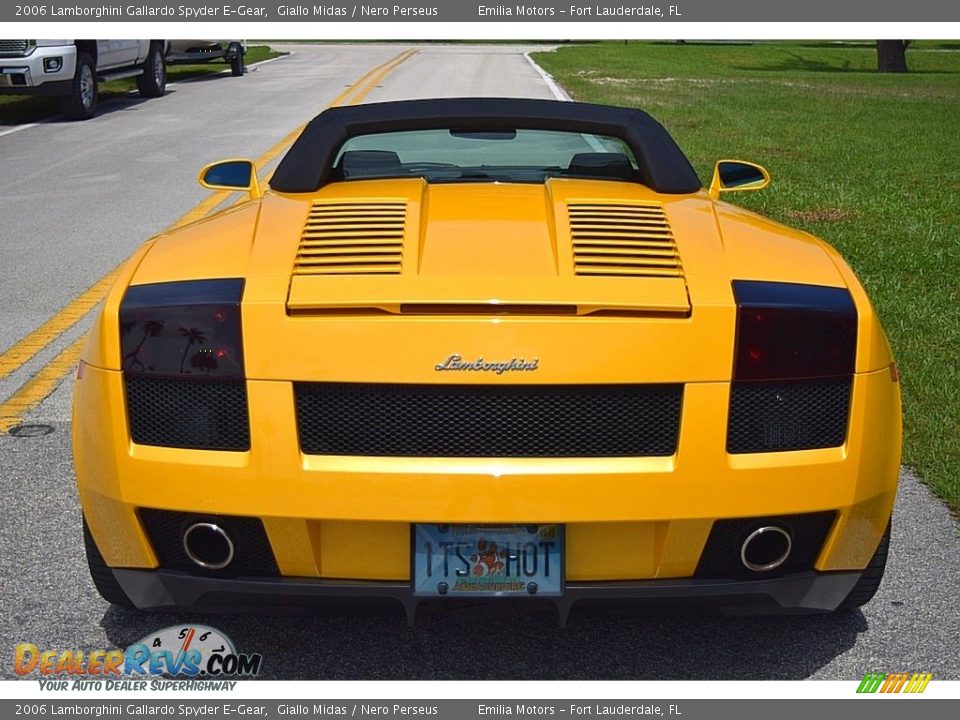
{"points": [[369, 163], [602, 165]]}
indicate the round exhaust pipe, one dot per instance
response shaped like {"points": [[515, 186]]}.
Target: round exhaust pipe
{"points": [[208, 545], [766, 549]]}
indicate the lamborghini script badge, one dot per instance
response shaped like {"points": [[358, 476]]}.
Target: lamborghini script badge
{"points": [[455, 362]]}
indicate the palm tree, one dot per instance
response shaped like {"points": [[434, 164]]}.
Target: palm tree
{"points": [[151, 328], [204, 360], [193, 336]]}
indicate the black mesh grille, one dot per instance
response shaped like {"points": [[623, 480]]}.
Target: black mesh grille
{"points": [[202, 414], [488, 420], [721, 555], [795, 415], [252, 552]]}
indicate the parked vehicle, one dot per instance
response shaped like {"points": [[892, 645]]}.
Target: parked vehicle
{"points": [[73, 69], [201, 51]]}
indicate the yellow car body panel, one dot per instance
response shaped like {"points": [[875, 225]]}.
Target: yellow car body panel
{"points": [[487, 246]]}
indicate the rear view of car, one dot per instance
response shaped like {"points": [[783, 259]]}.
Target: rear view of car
{"points": [[487, 348]]}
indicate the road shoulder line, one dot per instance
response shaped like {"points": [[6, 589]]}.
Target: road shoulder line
{"points": [[558, 92]]}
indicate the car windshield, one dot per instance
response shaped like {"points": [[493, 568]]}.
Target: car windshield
{"points": [[516, 156]]}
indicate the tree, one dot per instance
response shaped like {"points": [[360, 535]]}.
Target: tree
{"points": [[892, 56], [192, 336]]}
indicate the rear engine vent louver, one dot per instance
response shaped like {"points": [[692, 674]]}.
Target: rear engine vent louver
{"points": [[352, 238], [623, 239]]}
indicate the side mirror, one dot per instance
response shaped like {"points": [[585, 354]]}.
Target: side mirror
{"points": [[737, 176], [231, 175]]}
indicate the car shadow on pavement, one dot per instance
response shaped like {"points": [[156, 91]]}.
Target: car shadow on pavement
{"points": [[46, 110], [122, 102], [519, 641]]}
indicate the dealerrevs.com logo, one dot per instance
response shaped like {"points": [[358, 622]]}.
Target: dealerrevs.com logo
{"points": [[194, 652]]}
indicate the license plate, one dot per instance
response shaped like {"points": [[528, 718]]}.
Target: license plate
{"points": [[487, 560]]}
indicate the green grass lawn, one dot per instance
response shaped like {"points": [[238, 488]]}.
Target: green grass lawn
{"points": [[17, 109], [869, 162]]}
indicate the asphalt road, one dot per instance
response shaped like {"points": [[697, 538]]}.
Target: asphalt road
{"points": [[75, 199]]}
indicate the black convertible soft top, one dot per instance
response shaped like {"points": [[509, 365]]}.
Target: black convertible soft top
{"points": [[308, 164]]}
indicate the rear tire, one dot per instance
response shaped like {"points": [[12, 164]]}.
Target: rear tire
{"points": [[81, 103], [153, 82], [236, 59], [869, 581], [103, 579]]}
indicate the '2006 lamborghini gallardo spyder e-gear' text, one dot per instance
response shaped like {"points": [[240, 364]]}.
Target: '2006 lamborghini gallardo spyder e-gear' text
{"points": [[487, 348]]}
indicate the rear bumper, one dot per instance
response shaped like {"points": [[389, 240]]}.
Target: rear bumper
{"points": [[329, 517], [164, 590]]}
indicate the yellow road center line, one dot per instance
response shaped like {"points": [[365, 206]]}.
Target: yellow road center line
{"points": [[30, 345], [204, 208], [46, 380], [40, 385], [33, 343], [380, 74]]}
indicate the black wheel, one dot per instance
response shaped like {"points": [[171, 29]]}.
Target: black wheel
{"points": [[103, 578], [869, 582], [235, 53], [81, 103], [153, 82]]}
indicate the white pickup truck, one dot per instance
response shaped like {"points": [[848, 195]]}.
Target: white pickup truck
{"points": [[72, 69]]}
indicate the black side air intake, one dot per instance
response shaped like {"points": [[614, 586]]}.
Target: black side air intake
{"points": [[199, 414], [792, 415]]}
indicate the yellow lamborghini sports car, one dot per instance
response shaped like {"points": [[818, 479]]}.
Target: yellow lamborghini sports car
{"points": [[487, 348]]}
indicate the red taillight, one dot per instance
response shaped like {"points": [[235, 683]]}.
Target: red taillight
{"points": [[183, 329], [789, 331]]}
